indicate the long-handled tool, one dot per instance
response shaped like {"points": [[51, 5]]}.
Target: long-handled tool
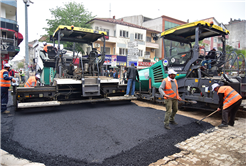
{"points": [[207, 116], [187, 101]]}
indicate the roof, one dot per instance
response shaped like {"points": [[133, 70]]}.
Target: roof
{"points": [[186, 33], [115, 21], [78, 34]]}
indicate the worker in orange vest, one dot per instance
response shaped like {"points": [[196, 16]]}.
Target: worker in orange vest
{"points": [[5, 83], [45, 46], [169, 90], [229, 102], [32, 81]]}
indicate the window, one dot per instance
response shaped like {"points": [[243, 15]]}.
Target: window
{"points": [[96, 28], [140, 53], [114, 51], [107, 50], [138, 36], [123, 33], [148, 39], [114, 33], [169, 25], [215, 39], [105, 30], [123, 51], [147, 54]]}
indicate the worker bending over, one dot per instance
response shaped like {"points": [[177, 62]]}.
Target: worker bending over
{"points": [[169, 90], [229, 102], [5, 82], [32, 81]]}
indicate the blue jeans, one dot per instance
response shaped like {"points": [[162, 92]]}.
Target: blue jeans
{"points": [[4, 98], [208, 62], [131, 82]]}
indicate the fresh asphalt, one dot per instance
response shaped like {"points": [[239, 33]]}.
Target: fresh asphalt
{"points": [[119, 133]]}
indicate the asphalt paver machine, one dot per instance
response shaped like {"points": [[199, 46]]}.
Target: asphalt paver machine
{"points": [[183, 54], [75, 79]]}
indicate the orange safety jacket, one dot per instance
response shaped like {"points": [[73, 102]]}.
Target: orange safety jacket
{"points": [[168, 89], [230, 96], [46, 47], [3, 82], [31, 82]]}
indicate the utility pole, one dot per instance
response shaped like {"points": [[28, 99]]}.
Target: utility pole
{"points": [[27, 4]]}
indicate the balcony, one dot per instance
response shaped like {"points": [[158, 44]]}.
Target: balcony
{"points": [[9, 24], [10, 2], [152, 45]]}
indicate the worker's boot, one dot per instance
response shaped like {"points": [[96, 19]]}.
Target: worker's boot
{"points": [[173, 122], [167, 127]]}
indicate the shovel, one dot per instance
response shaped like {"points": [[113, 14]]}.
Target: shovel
{"points": [[193, 102], [207, 116]]}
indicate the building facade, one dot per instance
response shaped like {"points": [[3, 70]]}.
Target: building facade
{"points": [[10, 37], [237, 37], [122, 33], [159, 24]]}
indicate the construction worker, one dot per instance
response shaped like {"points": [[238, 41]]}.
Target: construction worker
{"points": [[32, 81], [5, 82], [169, 90], [229, 102], [45, 46], [22, 74]]}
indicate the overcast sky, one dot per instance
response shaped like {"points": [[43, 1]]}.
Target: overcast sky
{"points": [[183, 10]]}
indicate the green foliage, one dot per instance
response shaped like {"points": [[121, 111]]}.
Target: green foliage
{"points": [[20, 65], [71, 13]]}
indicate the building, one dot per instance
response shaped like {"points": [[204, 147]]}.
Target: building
{"points": [[237, 37], [10, 37], [121, 33], [159, 24]]}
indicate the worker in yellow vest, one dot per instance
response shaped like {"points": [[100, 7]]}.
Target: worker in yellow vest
{"points": [[229, 102], [5, 83], [169, 90], [32, 81]]}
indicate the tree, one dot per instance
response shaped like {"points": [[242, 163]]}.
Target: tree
{"points": [[71, 13], [20, 65]]}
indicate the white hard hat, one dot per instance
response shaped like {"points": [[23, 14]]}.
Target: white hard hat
{"points": [[6, 65], [214, 86], [215, 48], [37, 75], [44, 43], [171, 71]]}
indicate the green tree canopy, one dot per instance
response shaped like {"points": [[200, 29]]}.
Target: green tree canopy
{"points": [[71, 13]]}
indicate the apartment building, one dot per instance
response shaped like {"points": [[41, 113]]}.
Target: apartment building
{"points": [[159, 24], [121, 33], [10, 37], [237, 37]]}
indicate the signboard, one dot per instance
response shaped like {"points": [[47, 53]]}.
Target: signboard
{"points": [[121, 60], [132, 44], [107, 60], [130, 62], [113, 60], [132, 56], [145, 63]]}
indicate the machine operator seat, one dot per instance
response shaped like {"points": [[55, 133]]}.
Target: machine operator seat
{"points": [[52, 52]]}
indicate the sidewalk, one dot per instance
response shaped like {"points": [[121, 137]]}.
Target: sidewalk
{"points": [[217, 147]]}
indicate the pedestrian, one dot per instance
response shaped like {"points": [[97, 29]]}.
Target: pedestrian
{"points": [[110, 74], [22, 74], [5, 82], [169, 90], [229, 102], [12, 72], [132, 73], [125, 76], [115, 74], [32, 81]]}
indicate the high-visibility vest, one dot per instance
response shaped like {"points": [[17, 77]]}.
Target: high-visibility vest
{"points": [[45, 47], [3, 82], [230, 96], [169, 91], [31, 82]]}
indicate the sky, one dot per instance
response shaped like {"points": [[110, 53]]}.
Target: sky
{"points": [[194, 10]]}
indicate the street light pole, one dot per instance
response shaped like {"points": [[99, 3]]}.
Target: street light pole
{"points": [[27, 3]]}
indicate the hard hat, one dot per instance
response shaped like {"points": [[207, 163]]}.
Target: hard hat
{"points": [[44, 43], [215, 48], [171, 71], [6, 65], [38, 76], [214, 86]]}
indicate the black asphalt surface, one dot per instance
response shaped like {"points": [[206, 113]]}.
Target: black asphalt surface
{"points": [[94, 134]]}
